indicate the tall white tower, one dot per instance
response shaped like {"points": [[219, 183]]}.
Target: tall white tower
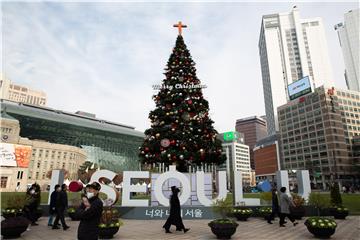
{"points": [[290, 48], [349, 38]]}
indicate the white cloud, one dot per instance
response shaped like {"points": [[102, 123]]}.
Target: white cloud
{"points": [[104, 57]]}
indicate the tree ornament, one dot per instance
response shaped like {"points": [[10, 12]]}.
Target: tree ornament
{"points": [[157, 135], [165, 142], [181, 157]]}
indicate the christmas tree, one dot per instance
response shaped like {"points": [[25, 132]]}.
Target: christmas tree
{"points": [[181, 130]]}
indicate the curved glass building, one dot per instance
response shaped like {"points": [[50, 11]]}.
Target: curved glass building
{"points": [[111, 145]]}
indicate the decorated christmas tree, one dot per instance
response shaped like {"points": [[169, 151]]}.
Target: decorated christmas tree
{"points": [[181, 130]]}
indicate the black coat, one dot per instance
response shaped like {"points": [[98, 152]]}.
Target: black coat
{"points": [[275, 202], [52, 206], [89, 219], [61, 200], [175, 211]]}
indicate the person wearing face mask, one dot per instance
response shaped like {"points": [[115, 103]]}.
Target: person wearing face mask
{"points": [[52, 206], [61, 205], [89, 213]]}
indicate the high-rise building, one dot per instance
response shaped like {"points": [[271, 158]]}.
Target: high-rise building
{"points": [[317, 132], [237, 156], [349, 39], [254, 129], [18, 93], [290, 48]]}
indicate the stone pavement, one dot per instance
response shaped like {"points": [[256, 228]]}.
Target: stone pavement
{"points": [[254, 228]]}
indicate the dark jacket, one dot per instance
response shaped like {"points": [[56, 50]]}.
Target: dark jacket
{"points": [[89, 219], [275, 202], [52, 206], [175, 211], [61, 200]]}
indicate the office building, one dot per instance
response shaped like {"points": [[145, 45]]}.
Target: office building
{"points": [[349, 39], [24, 162], [254, 129], [18, 93], [267, 158], [237, 156], [290, 48], [317, 132], [110, 145]]}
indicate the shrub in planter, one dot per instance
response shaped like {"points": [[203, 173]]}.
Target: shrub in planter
{"points": [[223, 228], [109, 223], [265, 212], [71, 213], [321, 227], [242, 214], [297, 211], [12, 212], [13, 227], [339, 212]]}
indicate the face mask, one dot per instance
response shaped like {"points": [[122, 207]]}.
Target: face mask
{"points": [[32, 191], [90, 195]]}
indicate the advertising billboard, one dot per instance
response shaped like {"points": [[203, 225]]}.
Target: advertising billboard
{"points": [[13, 155], [299, 88]]}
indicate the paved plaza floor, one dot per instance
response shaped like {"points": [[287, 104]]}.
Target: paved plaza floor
{"points": [[253, 229]]}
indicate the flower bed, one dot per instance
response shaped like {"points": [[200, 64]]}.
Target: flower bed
{"points": [[242, 214], [265, 212], [339, 212], [107, 231], [12, 212], [71, 213], [321, 227]]}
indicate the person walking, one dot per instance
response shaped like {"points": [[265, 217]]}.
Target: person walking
{"points": [[30, 206], [89, 213], [175, 213], [274, 205], [285, 203], [52, 206], [61, 205]]}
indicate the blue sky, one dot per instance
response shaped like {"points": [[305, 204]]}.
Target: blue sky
{"points": [[104, 57]]}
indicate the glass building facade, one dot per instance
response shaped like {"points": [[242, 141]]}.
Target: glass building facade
{"points": [[111, 145]]}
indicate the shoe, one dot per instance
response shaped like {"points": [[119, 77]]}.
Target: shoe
{"points": [[55, 227], [178, 229], [285, 222], [168, 231], [269, 222], [295, 223], [186, 229], [282, 225], [50, 225], [34, 224], [66, 227]]}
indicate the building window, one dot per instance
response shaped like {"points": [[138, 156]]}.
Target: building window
{"points": [[3, 182]]}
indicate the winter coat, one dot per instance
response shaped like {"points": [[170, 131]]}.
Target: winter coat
{"points": [[61, 200], [89, 219], [52, 206], [275, 202], [285, 203]]}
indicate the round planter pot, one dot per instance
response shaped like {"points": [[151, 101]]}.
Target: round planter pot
{"points": [[242, 217], [7, 215], [298, 212], [339, 214], [108, 232], [223, 230], [72, 216], [321, 232], [13, 232]]}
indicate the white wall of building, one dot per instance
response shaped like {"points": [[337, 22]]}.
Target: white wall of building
{"points": [[349, 39]]}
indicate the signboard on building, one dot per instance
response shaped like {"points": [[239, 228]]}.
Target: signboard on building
{"points": [[13, 155], [231, 136], [299, 88]]}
